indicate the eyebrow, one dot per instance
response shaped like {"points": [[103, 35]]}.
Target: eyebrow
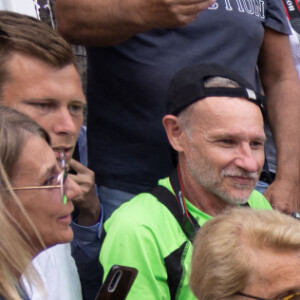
{"points": [[82, 101], [234, 136], [39, 99], [47, 172], [79, 100], [76, 101]]}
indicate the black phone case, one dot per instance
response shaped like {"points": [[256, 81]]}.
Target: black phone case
{"points": [[117, 283]]}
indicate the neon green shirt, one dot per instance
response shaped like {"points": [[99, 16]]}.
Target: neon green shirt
{"points": [[144, 234]]}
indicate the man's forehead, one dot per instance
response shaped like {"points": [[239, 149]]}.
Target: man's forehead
{"points": [[28, 62], [221, 114], [225, 105], [38, 80]]}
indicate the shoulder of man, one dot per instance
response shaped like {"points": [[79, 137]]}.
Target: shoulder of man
{"points": [[136, 236]]}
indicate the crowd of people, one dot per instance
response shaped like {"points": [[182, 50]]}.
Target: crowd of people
{"points": [[175, 173]]}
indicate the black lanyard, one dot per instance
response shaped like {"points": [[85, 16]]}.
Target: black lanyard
{"points": [[292, 10], [190, 225]]}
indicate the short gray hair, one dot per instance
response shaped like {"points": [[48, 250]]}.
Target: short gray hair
{"points": [[184, 117]]}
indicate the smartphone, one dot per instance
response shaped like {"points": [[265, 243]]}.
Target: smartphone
{"points": [[117, 283]]}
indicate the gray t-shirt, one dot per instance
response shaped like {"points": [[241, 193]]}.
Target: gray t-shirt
{"points": [[127, 146]]}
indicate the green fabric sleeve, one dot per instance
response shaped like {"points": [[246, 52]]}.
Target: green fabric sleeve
{"points": [[132, 243]]}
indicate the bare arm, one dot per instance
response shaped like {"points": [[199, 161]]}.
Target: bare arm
{"points": [[282, 88], [108, 22]]}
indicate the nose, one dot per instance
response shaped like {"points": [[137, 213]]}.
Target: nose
{"points": [[248, 159], [72, 189], [64, 123]]}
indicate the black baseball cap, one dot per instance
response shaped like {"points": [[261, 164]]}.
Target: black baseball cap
{"points": [[188, 87]]}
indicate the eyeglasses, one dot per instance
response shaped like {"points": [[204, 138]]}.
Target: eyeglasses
{"points": [[294, 296], [56, 182]]}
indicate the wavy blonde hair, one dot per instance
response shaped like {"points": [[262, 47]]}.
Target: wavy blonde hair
{"points": [[221, 260], [16, 251]]}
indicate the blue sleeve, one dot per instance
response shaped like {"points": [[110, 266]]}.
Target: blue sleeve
{"points": [[276, 17], [82, 146], [85, 251]]}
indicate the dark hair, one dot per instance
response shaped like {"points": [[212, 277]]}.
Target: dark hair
{"points": [[29, 36]]}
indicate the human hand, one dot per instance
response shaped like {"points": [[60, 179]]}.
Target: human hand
{"points": [[284, 195], [110, 22], [169, 13], [87, 203]]}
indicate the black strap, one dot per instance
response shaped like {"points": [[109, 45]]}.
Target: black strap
{"points": [[293, 12], [188, 224], [169, 200]]}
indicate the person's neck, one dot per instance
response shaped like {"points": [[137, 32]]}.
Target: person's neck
{"points": [[199, 197]]}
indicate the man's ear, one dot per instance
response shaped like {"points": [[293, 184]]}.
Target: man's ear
{"points": [[174, 132]]}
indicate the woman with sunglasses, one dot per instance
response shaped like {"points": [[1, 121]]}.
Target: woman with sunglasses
{"points": [[35, 198]]}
